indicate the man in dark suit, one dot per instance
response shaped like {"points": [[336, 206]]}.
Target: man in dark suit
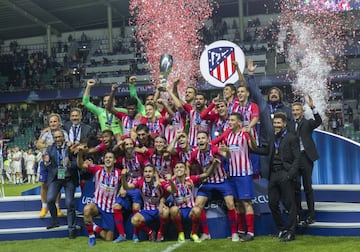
{"points": [[62, 172], [304, 128], [274, 103], [284, 153], [78, 131]]}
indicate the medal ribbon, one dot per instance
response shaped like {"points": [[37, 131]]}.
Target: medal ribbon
{"points": [[273, 109], [205, 161], [153, 127], [197, 118], [230, 106], [76, 132], [148, 190], [185, 156], [181, 188], [278, 141], [130, 163], [61, 155], [109, 118], [243, 110], [221, 125], [108, 178]]}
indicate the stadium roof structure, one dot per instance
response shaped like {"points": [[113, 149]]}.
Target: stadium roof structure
{"points": [[28, 18]]}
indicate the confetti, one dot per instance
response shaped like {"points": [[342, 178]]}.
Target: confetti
{"points": [[171, 27], [315, 36]]}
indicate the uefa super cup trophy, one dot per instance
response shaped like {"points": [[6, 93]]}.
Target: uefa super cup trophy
{"points": [[166, 63]]}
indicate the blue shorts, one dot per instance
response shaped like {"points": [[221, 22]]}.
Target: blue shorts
{"points": [[243, 187], [185, 213], [150, 216], [132, 196], [223, 188], [170, 201], [107, 220], [43, 173]]}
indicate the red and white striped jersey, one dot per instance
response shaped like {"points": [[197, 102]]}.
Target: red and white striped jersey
{"points": [[155, 128], [184, 156], [127, 122], [134, 165], [177, 122], [220, 125], [240, 163], [233, 105], [151, 195], [106, 186], [163, 165], [185, 194], [205, 159], [249, 112], [101, 147], [196, 124]]}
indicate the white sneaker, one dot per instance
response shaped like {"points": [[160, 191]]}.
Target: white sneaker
{"points": [[205, 237], [235, 237]]}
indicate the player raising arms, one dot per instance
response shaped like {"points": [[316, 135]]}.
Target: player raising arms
{"points": [[130, 119], [195, 122]]}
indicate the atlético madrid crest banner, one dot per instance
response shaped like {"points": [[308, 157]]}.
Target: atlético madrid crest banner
{"points": [[216, 63]]}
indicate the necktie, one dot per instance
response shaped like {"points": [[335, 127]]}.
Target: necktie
{"points": [[75, 132], [297, 123]]}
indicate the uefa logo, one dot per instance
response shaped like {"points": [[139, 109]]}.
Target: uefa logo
{"points": [[216, 63]]}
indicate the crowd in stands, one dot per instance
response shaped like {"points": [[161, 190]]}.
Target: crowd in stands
{"points": [[23, 69], [13, 122]]}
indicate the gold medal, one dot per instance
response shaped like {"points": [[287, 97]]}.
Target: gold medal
{"points": [[108, 188], [184, 199], [276, 151], [171, 127]]}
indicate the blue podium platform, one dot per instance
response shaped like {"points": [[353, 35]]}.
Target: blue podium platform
{"points": [[19, 218]]}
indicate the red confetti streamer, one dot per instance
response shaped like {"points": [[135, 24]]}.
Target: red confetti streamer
{"points": [[171, 27]]}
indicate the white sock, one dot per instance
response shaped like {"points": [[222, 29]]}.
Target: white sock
{"points": [[43, 205], [57, 205]]}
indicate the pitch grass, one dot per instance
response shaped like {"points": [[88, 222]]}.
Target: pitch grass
{"points": [[16, 190], [303, 243]]}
